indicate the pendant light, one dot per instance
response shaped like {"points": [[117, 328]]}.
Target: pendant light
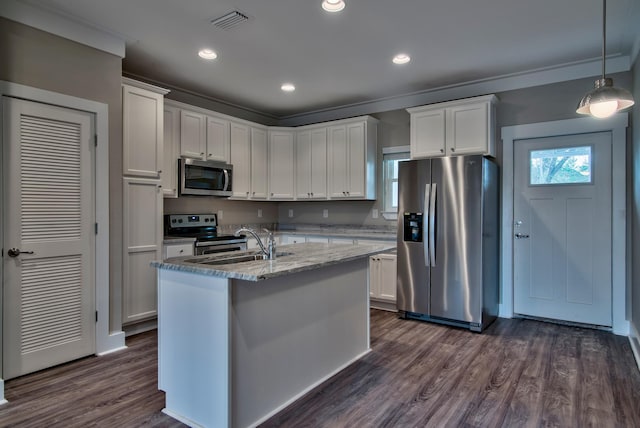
{"points": [[605, 99]]}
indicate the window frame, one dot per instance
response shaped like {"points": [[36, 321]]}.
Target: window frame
{"points": [[580, 183], [391, 154]]}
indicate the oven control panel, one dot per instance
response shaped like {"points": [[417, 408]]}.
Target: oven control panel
{"points": [[190, 220]]}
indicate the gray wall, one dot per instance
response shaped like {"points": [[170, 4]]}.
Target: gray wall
{"points": [[635, 204], [35, 58]]}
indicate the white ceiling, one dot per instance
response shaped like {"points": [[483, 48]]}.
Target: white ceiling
{"points": [[345, 58]]}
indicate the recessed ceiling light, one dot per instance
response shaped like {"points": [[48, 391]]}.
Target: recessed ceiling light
{"points": [[333, 5], [288, 87], [207, 54], [401, 59]]}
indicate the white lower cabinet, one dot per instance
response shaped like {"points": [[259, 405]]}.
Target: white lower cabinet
{"points": [[318, 239], [177, 250], [382, 281], [292, 239], [142, 243], [342, 241]]}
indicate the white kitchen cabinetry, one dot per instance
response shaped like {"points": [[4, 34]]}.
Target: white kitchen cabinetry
{"points": [[311, 164], [217, 146], [177, 250], [142, 239], [143, 152], [352, 159], [204, 137], [259, 163], [318, 239], [459, 127], [281, 164], [382, 281], [348, 241], [171, 151], [193, 134], [142, 129], [249, 157], [241, 160]]}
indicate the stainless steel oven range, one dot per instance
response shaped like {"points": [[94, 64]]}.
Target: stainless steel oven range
{"points": [[204, 228]]}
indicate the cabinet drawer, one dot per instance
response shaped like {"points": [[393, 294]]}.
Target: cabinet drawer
{"points": [[178, 250]]}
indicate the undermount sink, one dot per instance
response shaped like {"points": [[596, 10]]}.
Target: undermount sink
{"points": [[232, 259]]}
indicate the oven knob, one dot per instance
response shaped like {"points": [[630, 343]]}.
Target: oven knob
{"points": [[180, 221], [206, 220], [173, 220]]}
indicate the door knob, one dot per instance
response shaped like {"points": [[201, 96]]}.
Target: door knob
{"points": [[521, 236], [15, 252]]}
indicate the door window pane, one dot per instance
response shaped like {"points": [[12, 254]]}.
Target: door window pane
{"points": [[568, 165]]}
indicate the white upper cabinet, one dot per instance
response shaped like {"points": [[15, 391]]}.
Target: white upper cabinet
{"points": [[352, 159], [171, 152], [311, 164], [204, 137], [259, 163], [193, 133], [217, 147], [142, 126], [241, 160], [281, 164], [459, 127]]}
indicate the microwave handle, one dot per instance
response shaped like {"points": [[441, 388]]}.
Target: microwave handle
{"points": [[226, 179]]}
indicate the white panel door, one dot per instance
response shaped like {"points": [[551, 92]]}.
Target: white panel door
{"points": [[142, 222], [217, 139], [193, 134], [467, 129], [303, 165], [259, 164], [171, 141], [49, 237], [281, 165], [319, 164], [338, 162], [427, 134], [562, 228], [241, 160], [357, 166]]}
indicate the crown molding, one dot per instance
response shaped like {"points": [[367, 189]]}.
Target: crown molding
{"points": [[63, 26]]}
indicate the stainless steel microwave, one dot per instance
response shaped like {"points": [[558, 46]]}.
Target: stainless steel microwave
{"points": [[204, 178]]}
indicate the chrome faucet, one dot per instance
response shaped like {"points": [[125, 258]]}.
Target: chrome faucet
{"points": [[270, 251]]}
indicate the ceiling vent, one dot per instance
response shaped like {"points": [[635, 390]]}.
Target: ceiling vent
{"points": [[230, 20]]}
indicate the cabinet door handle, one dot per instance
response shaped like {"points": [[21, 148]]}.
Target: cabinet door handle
{"points": [[181, 251], [452, 149], [210, 155], [160, 172], [441, 150], [272, 194]]}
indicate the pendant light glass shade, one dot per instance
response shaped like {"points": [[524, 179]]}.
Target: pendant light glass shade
{"points": [[605, 99]]}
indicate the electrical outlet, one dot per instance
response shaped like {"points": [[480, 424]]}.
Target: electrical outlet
{"points": [[290, 213], [374, 213], [325, 213], [220, 214], [259, 212]]}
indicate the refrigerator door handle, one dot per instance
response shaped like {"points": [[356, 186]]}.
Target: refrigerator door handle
{"points": [[432, 224], [425, 223]]}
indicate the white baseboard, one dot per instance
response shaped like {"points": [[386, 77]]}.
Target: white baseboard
{"points": [[634, 340], [181, 418], [140, 327], [383, 305], [2, 400]]}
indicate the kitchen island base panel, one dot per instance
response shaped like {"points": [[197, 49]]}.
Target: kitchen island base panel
{"points": [[281, 337]]}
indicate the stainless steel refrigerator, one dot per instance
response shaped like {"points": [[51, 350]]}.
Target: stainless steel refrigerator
{"points": [[448, 219]]}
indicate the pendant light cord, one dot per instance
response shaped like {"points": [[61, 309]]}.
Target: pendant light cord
{"points": [[604, 34]]}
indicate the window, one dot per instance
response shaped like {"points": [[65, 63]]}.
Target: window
{"points": [[390, 158], [567, 165]]}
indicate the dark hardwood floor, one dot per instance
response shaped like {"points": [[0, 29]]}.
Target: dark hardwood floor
{"points": [[517, 373]]}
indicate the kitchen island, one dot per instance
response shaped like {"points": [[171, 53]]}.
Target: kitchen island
{"points": [[238, 342]]}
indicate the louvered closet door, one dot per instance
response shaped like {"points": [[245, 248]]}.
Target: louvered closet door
{"points": [[48, 305]]}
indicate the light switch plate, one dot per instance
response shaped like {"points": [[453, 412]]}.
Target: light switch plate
{"points": [[220, 214], [374, 213], [325, 213], [290, 213], [259, 212]]}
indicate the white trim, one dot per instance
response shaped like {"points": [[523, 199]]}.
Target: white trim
{"points": [[2, 399], [617, 126], [106, 341], [64, 26], [507, 82], [634, 341], [146, 86], [396, 149]]}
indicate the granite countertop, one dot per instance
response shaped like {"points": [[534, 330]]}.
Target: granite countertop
{"points": [[381, 236], [301, 257]]}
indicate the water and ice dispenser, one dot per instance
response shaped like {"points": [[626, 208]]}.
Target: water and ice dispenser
{"points": [[413, 227]]}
